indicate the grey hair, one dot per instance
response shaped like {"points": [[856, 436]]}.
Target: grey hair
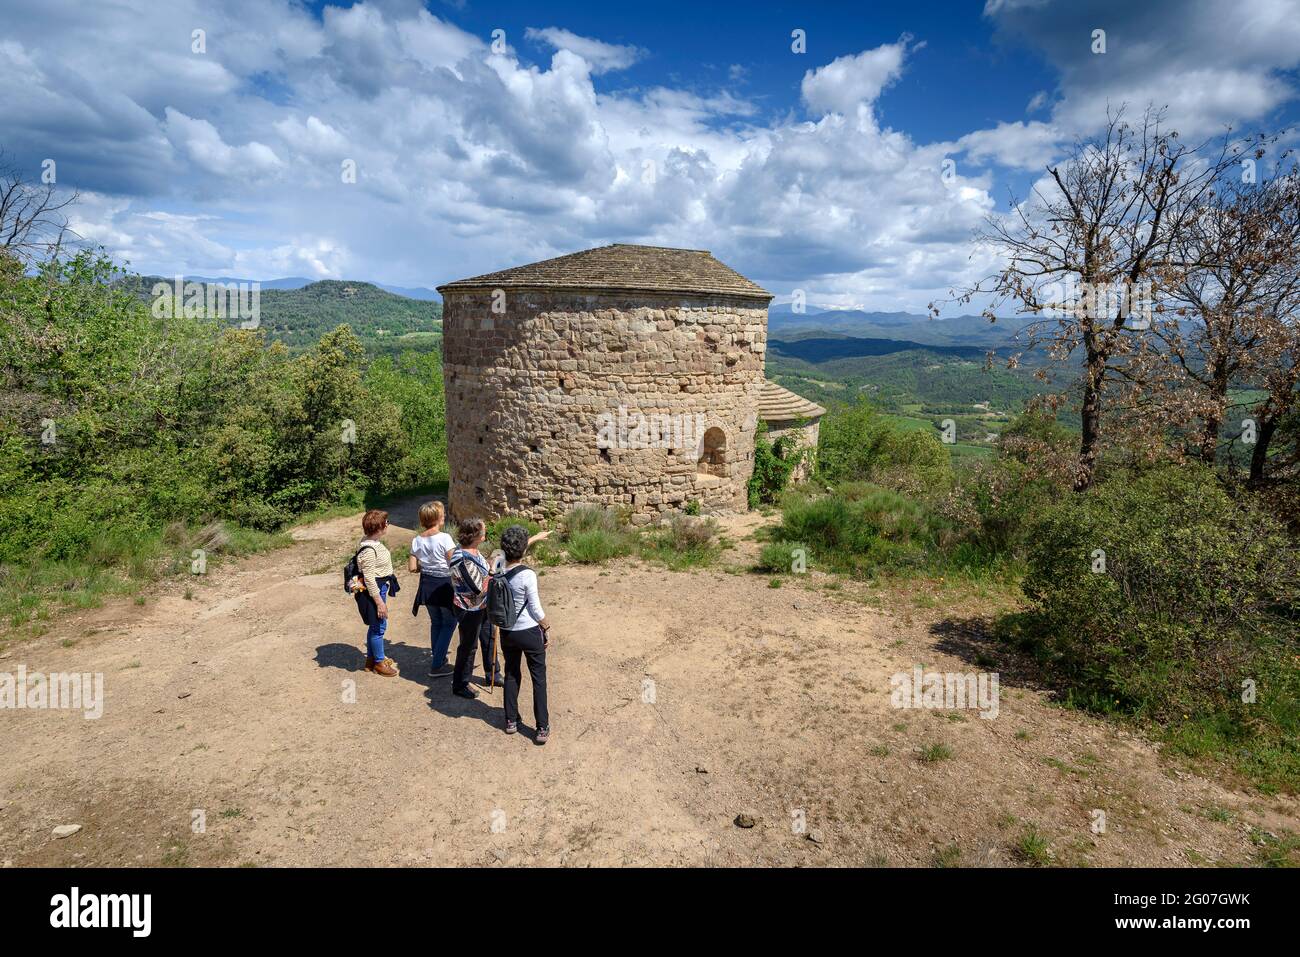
{"points": [[514, 542]]}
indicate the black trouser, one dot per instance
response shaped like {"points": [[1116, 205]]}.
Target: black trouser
{"points": [[475, 628], [515, 645]]}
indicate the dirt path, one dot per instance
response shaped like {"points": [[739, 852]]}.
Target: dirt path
{"points": [[773, 702]]}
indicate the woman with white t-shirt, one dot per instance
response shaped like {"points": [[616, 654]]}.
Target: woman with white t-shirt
{"points": [[430, 550]]}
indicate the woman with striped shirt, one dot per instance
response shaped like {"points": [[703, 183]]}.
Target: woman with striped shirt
{"points": [[470, 574], [375, 566]]}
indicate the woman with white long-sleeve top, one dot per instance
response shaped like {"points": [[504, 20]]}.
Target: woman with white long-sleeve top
{"points": [[528, 638]]}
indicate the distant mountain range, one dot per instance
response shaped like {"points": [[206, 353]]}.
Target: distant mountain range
{"points": [[817, 349], [970, 331]]}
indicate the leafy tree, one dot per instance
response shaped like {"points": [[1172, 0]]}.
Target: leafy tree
{"points": [[1244, 251], [113, 419], [856, 443]]}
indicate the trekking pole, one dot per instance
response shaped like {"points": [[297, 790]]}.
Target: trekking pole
{"points": [[492, 674]]}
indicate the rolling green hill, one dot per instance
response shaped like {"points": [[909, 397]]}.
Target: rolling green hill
{"points": [[386, 322], [927, 380], [916, 385]]}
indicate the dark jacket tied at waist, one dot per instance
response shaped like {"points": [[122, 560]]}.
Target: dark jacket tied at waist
{"points": [[366, 606], [435, 592]]}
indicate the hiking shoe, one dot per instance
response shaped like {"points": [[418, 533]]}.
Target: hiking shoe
{"points": [[511, 727], [384, 667], [542, 735], [442, 671], [464, 692]]}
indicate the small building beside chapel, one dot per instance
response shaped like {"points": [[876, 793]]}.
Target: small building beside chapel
{"points": [[787, 414], [625, 376]]}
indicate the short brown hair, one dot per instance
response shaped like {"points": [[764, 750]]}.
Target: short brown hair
{"points": [[374, 520], [431, 514], [469, 530]]}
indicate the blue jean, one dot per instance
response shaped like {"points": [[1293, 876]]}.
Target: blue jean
{"points": [[442, 625], [375, 633]]}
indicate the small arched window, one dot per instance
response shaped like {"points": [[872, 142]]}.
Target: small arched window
{"points": [[713, 453]]}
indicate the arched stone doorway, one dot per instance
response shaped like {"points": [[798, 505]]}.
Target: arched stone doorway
{"points": [[713, 453]]}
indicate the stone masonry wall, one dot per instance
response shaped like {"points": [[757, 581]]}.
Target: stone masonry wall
{"points": [[535, 391]]}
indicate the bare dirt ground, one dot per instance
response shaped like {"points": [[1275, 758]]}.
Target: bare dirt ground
{"points": [[232, 708]]}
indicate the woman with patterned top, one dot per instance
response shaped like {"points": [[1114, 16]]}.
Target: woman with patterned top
{"points": [[470, 575]]}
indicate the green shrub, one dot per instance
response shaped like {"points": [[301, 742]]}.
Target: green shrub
{"points": [[1197, 594], [539, 553], [934, 753], [593, 518], [1033, 848], [780, 557], [994, 504], [774, 463], [497, 526], [862, 528], [857, 444], [117, 423], [592, 535], [595, 547], [686, 541]]}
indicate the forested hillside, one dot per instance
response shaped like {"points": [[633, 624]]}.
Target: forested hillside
{"points": [[130, 440], [299, 317], [920, 386]]}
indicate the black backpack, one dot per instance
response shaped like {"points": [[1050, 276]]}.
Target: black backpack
{"points": [[501, 601], [352, 573]]}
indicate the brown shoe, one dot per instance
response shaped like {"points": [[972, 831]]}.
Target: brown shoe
{"points": [[385, 668], [370, 663]]}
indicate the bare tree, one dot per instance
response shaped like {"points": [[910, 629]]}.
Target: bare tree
{"points": [[1241, 254], [1091, 246], [32, 216], [1276, 359]]}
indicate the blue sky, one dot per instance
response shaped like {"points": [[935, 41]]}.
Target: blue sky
{"points": [[960, 78], [684, 124]]}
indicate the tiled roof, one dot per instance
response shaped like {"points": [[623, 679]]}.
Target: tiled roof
{"points": [[776, 404], [624, 267]]}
